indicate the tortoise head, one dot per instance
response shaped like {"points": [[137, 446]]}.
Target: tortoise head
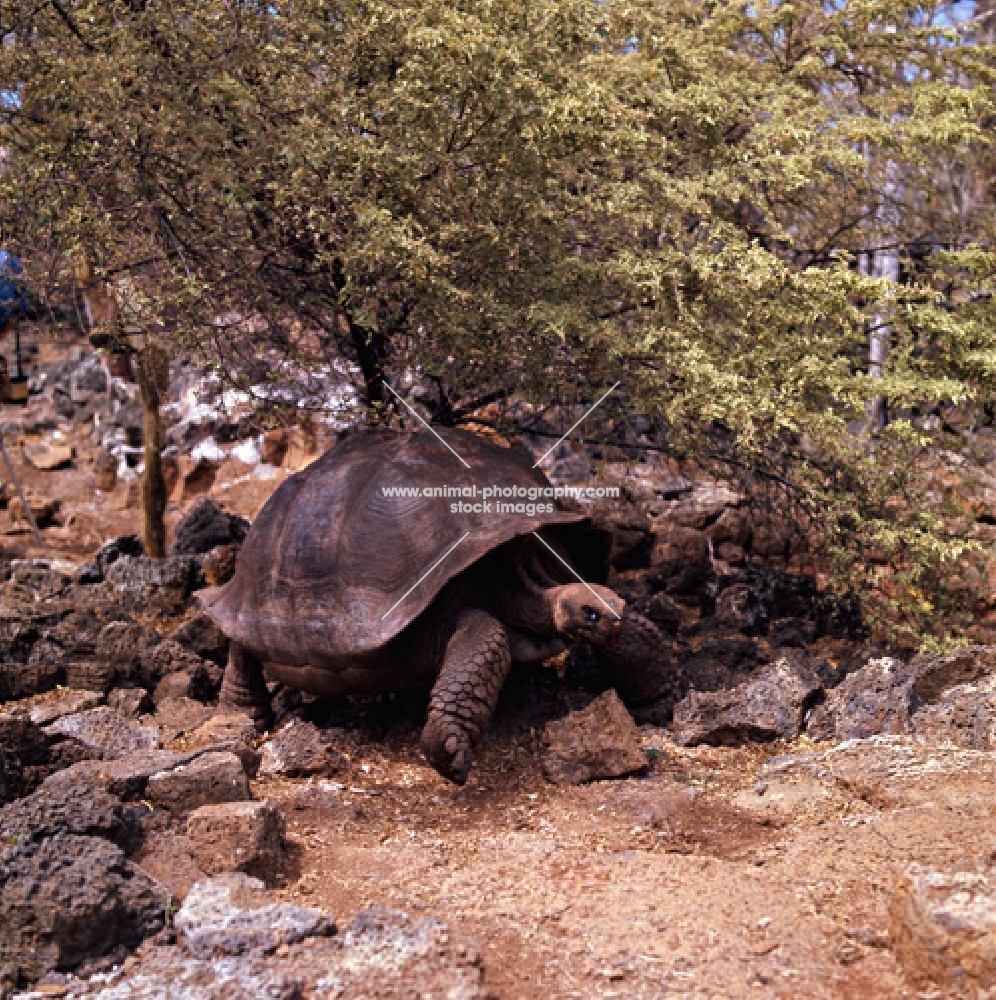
{"points": [[587, 613]]}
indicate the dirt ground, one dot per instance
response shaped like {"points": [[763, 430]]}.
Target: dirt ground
{"points": [[721, 872]]}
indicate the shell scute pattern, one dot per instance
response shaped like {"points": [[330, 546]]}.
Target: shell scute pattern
{"points": [[330, 553]]}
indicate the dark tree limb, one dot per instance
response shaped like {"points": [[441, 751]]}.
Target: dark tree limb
{"points": [[152, 372], [73, 26]]}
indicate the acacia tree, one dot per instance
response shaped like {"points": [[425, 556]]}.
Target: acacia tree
{"points": [[535, 200]]}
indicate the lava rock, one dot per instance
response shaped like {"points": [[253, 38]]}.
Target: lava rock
{"points": [[165, 857], [225, 728], [383, 953], [773, 595], [176, 716], [47, 454], [116, 548], [65, 753], [829, 674], [741, 607], [213, 777], [769, 539], [94, 675], [130, 418], [773, 703], [877, 699], [935, 674], [732, 527], [232, 914], [795, 632], [130, 702], [387, 948], [105, 471], [193, 477], [11, 776], [297, 750], [123, 643], [943, 928], [106, 731], [88, 379], [39, 577], [232, 732], [24, 680], [692, 584], [175, 672], [677, 543], [88, 573], [631, 538], [600, 741], [237, 837], [730, 553], [43, 509], [80, 810], [706, 503], [66, 701], [17, 638], [68, 900], [138, 577], [665, 614], [721, 661], [184, 674], [202, 636], [24, 739], [73, 637], [965, 715], [204, 526], [94, 571], [127, 777]]}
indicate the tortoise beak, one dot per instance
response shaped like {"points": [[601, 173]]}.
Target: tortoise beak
{"points": [[616, 631]]}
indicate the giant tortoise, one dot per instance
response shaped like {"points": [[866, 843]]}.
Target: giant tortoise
{"points": [[342, 587]]}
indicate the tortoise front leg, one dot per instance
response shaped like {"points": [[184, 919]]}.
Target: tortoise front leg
{"points": [[463, 699], [639, 661], [243, 688]]}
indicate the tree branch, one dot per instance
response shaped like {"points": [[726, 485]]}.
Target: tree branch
{"points": [[73, 27]]}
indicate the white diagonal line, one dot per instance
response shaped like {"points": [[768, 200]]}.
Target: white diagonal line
{"points": [[585, 416], [429, 427], [580, 578], [426, 573]]}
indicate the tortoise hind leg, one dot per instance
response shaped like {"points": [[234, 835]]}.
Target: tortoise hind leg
{"points": [[639, 662], [463, 699], [243, 688]]}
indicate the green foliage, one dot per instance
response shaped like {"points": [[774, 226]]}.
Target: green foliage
{"points": [[538, 200]]}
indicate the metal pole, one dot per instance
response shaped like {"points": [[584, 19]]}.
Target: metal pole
{"points": [[20, 493]]}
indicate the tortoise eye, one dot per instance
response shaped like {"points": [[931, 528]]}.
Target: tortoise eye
{"points": [[590, 614]]}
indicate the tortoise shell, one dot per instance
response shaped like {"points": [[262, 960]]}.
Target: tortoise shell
{"points": [[333, 566]]}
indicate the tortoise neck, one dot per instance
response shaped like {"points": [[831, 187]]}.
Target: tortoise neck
{"points": [[526, 601], [529, 612]]}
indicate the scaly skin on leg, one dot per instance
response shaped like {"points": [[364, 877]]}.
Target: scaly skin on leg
{"points": [[639, 662], [466, 691], [243, 688]]}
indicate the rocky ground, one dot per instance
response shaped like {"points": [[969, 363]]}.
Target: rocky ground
{"points": [[807, 817]]}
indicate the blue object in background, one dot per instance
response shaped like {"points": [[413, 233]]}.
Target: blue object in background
{"points": [[13, 297]]}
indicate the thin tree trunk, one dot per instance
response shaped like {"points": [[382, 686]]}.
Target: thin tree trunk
{"points": [[370, 352], [884, 264], [103, 313], [101, 309], [152, 374]]}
